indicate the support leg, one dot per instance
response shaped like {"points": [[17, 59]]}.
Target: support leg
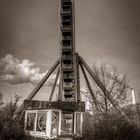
{"points": [[54, 85], [90, 89], [104, 90], [40, 84]]}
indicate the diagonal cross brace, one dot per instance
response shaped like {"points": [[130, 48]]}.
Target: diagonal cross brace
{"points": [[37, 88], [54, 85], [105, 91], [96, 102], [39, 85], [89, 86]]}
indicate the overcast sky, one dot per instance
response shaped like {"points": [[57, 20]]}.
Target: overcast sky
{"points": [[106, 30]]}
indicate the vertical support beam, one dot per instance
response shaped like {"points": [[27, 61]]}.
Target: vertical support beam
{"points": [[49, 121], [75, 123], [61, 48], [54, 85], [82, 122], [35, 123], [73, 18], [68, 51], [77, 78], [59, 131], [133, 97], [25, 121], [79, 120], [60, 91], [135, 107]]}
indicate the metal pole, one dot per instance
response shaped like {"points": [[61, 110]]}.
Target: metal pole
{"points": [[77, 77], [89, 87], [37, 88], [54, 85], [98, 82], [60, 92]]}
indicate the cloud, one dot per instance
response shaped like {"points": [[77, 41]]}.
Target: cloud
{"points": [[15, 71]]}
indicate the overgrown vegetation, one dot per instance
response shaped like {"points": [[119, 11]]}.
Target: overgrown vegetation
{"points": [[101, 127], [104, 122], [11, 124]]}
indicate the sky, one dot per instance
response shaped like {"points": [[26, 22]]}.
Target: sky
{"points": [[106, 31]]}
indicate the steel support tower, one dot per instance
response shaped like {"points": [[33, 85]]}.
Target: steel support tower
{"points": [[62, 119], [69, 69]]}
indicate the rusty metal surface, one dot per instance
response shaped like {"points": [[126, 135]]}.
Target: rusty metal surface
{"points": [[62, 105]]}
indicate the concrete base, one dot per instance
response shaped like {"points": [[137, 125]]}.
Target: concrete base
{"points": [[60, 138]]}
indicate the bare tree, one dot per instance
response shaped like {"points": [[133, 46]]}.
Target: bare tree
{"points": [[116, 84], [106, 123], [11, 128]]}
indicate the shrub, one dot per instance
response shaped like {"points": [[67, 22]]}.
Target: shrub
{"points": [[110, 127], [11, 125]]}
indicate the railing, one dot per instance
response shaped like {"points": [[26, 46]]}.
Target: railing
{"points": [[66, 9], [66, 16], [67, 66], [67, 57], [66, 26], [67, 33], [67, 52], [69, 86], [68, 94], [66, 47], [67, 38], [66, 42]]}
